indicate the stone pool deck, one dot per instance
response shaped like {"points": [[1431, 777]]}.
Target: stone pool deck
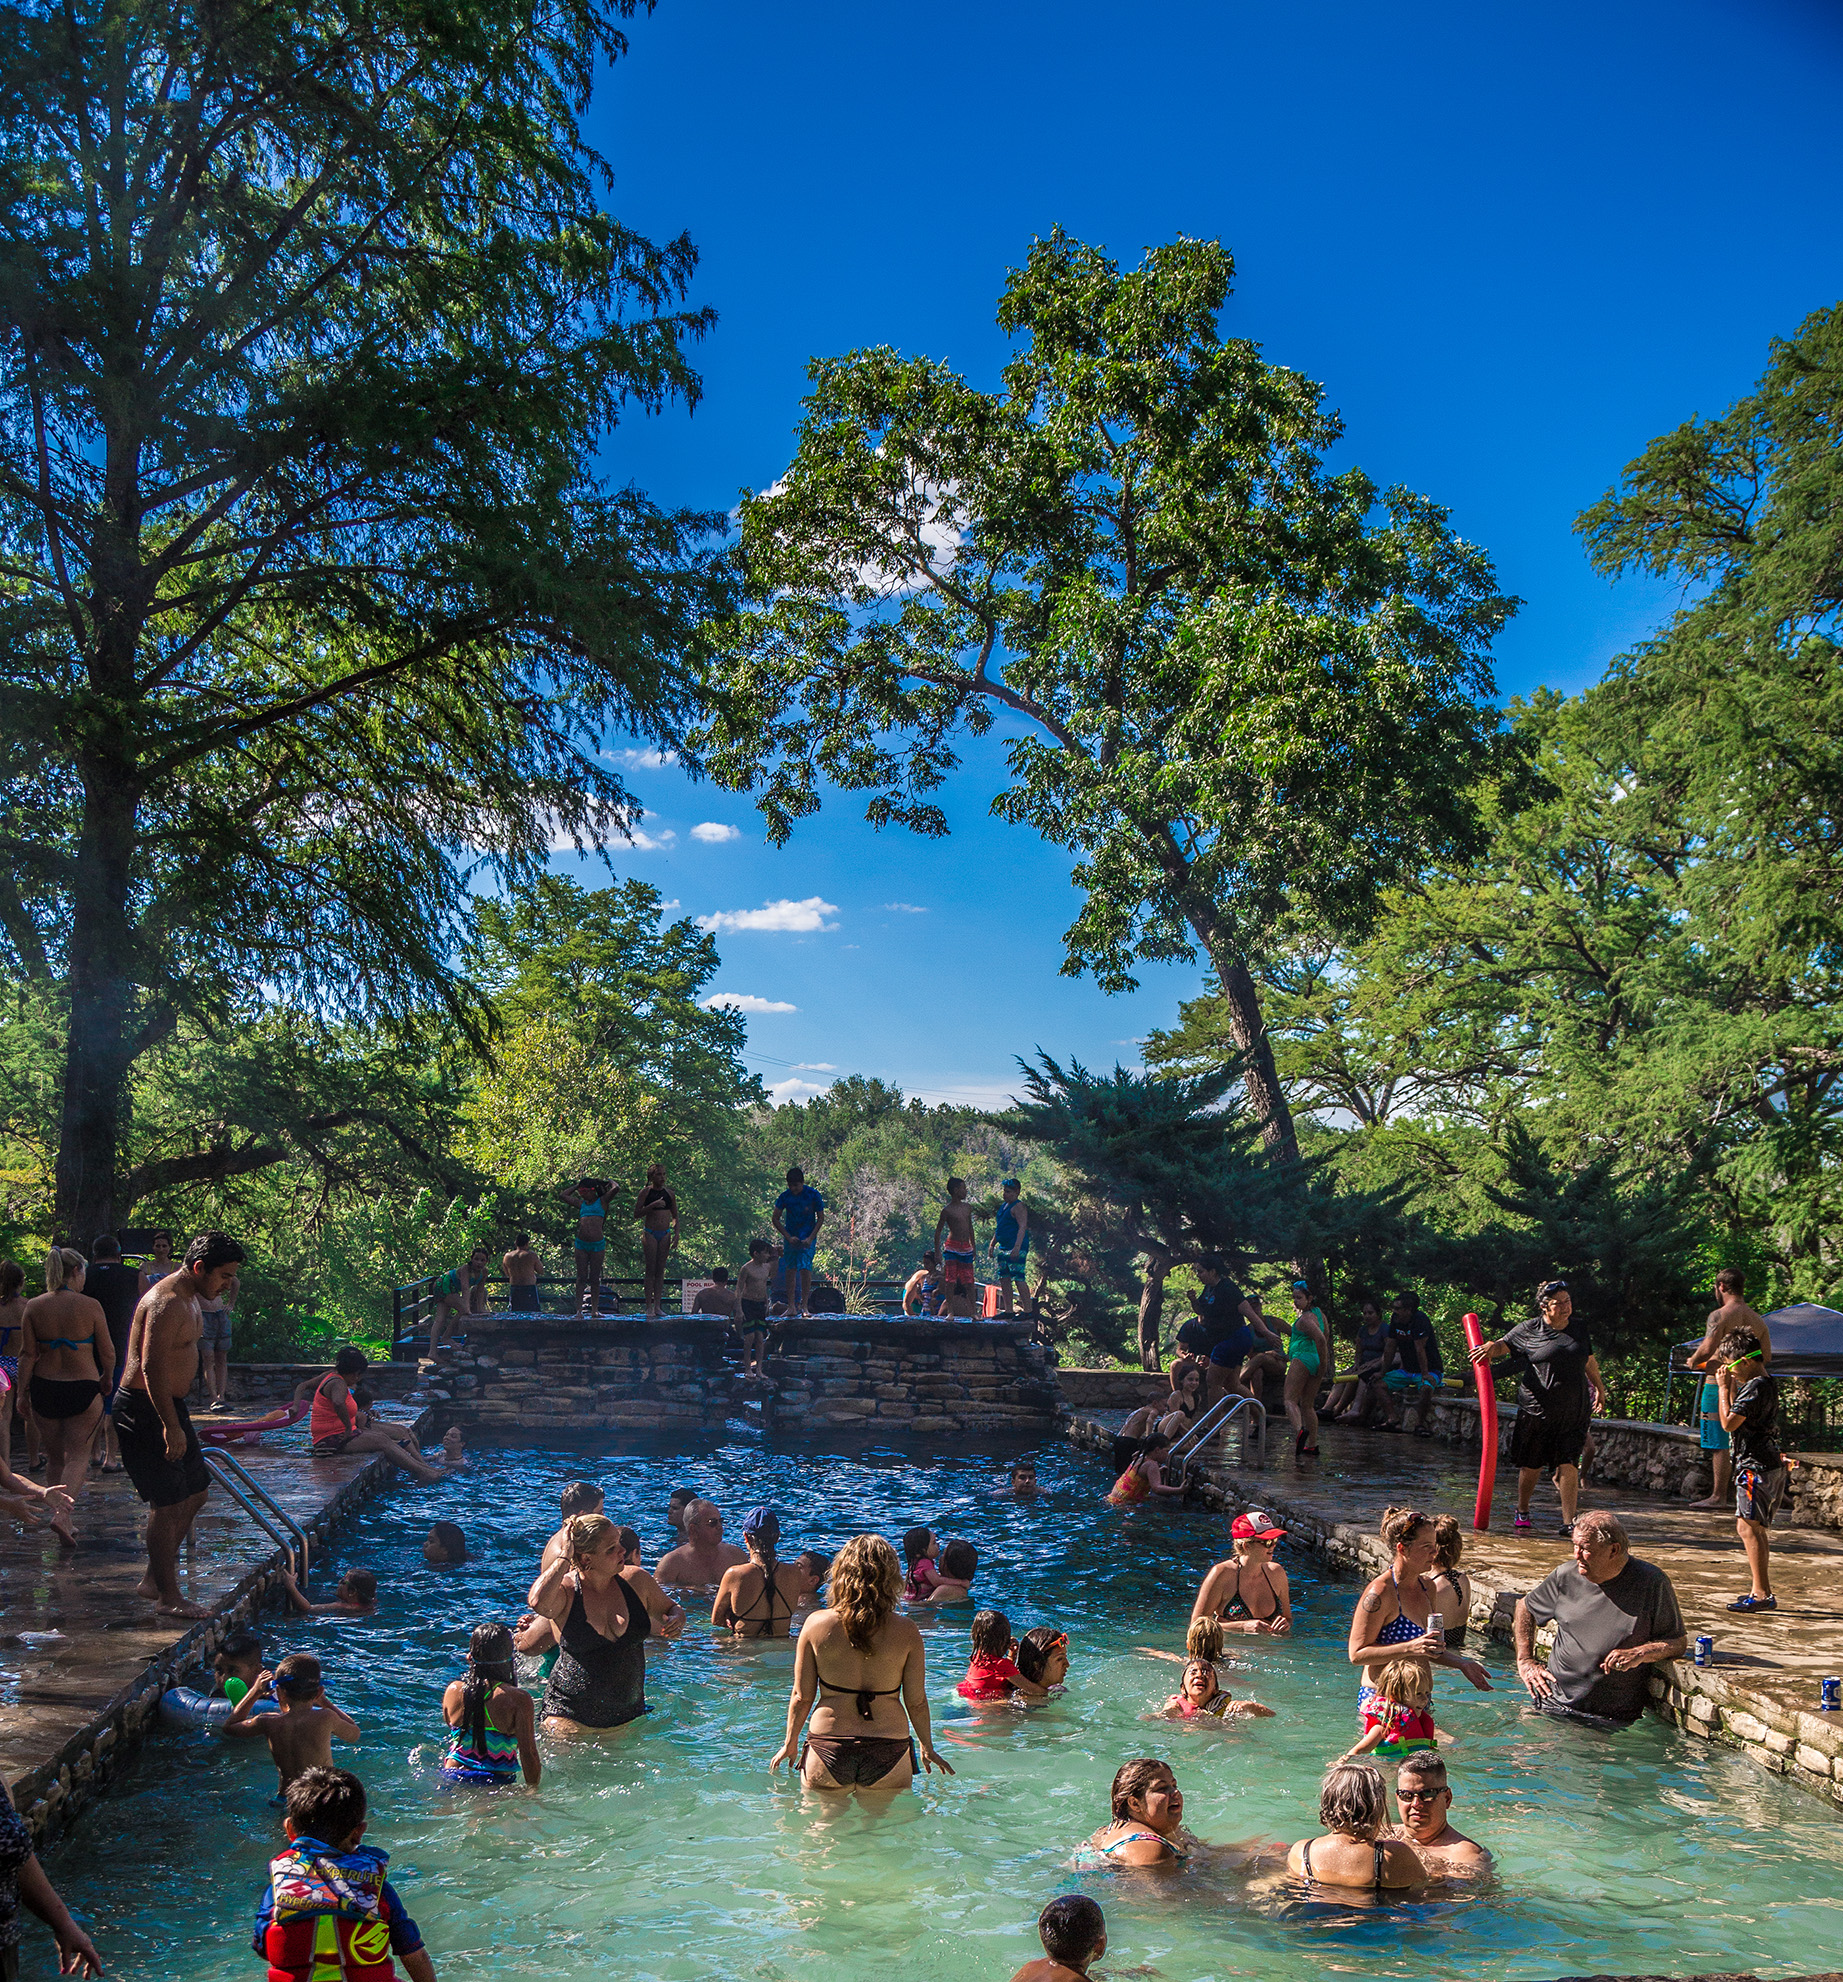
{"points": [[84, 1660], [1760, 1694]]}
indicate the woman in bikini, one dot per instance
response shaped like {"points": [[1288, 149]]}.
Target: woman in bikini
{"points": [[65, 1354], [590, 1197], [1354, 1856], [756, 1598], [861, 1673], [1452, 1587], [1249, 1592], [604, 1615], [657, 1210], [1147, 1827], [1392, 1613]]}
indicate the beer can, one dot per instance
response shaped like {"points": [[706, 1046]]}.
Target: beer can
{"points": [[1830, 1694], [1705, 1651], [1436, 1624]]}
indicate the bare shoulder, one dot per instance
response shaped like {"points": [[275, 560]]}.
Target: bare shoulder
{"points": [[1374, 1594]]}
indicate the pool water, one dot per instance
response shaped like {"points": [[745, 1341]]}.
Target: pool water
{"points": [[665, 1854]]}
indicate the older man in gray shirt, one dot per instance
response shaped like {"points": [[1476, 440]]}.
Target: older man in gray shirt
{"points": [[1614, 1618]]}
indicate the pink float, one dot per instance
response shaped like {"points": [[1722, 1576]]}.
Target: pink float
{"points": [[1487, 1423]]}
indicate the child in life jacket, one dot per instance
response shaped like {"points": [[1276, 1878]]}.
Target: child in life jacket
{"points": [[1398, 1719], [330, 1915]]}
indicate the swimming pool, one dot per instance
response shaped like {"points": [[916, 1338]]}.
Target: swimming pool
{"points": [[666, 1855]]}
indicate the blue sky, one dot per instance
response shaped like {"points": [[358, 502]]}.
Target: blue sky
{"points": [[1514, 243]]}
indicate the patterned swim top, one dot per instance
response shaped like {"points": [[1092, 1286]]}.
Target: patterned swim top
{"points": [[1092, 1857], [494, 1760]]}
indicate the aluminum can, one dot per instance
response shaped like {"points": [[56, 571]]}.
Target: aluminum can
{"points": [[1436, 1624], [1705, 1651], [1830, 1694]]}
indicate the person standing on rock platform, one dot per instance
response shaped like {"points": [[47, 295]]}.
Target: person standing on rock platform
{"points": [[521, 1265], [1011, 1243], [958, 1247], [590, 1197], [799, 1212], [159, 1447], [1560, 1392], [1731, 1311], [657, 1210]]}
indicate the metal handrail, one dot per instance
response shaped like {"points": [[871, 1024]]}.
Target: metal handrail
{"points": [[1216, 1420], [218, 1461]]}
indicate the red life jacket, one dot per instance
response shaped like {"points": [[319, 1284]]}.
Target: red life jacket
{"points": [[329, 1922]]}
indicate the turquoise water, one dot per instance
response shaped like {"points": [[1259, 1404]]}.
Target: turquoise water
{"points": [[667, 1855]]}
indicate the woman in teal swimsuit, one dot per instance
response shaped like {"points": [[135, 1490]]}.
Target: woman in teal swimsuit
{"points": [[1148, 1822], [589, 1195], [1308, 1350]]}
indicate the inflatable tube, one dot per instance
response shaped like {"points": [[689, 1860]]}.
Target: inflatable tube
{"points": [[1487, 1424], [180, 1706], [247, 1431]]}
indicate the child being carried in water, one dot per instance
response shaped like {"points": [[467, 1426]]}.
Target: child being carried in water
{"points": [[993, 1673]]}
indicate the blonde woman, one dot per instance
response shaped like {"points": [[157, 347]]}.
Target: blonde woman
{"points": [[1249, 1592], [64, 1358], [860, 1672], [604, 1614]]}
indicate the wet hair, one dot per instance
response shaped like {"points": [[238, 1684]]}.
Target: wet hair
{"points": [[489, 1664], [1732, 1280], [1400, 1525], [959, 1561], [522, 1239], [298, 1675], [62, 1265], [453, 1542], [1352, 1799], [681, 1498], [915, 1544], [105, 1245], [1023, 1466], [1425, 1762], [1204, 1639], [1604, 1522], [630, 1541], [12, 1278], [760, 1246], [581, 1497], [1033, 1650], [241, 1647], [1406, 1682], [1740, 1343], [210, 1250], [362, 1584], [720, 1275], [1070, 1928], [326, 1803], [815, 1563], [866, 1585], [952, 1181], [351, 1362], [1449, 1539], [1203, 1665], [1137, 1779], [991, 1633], [588, 1534]]}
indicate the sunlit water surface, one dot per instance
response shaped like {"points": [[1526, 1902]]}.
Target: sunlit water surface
{"points": [[666, 1854]]}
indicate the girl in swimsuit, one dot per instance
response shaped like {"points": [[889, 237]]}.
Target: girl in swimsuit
{"points": [[1354, 1856], [1308, 1351], [589, 1195], [492, 1722], [861, 1674], [657, 1210], [1394, 1608], [756, 1598], [604, 1615], [12, 1338], [1201, 1695], [65, 1354], [1144, 1475], [1148, 1822], [1249, 1592]]}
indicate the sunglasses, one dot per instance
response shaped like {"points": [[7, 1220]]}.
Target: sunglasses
{"points": [[1417, 1795], [1058, 1642]]}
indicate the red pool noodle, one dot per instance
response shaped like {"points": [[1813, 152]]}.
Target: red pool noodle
{"points": [[1487, 1424]]}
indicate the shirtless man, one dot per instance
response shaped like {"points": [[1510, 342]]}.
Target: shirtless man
{"points": [[521, 1268], [1424, 1804], [920, 1285], [958, 1248], [1730, 1312], [703, 1556], [301, 1736], [580, 1497], [159, 1447], [752, 1285]]}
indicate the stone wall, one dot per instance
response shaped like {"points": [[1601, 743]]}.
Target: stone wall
{"points": [[944, 1378], [270, 1383], [1111, 1390]]}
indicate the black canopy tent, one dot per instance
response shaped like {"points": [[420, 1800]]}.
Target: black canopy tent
{"points": [[1807, 1341]]}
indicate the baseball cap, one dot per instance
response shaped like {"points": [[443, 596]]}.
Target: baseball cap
{"points": [[1254, 1526], [759, 1518]]}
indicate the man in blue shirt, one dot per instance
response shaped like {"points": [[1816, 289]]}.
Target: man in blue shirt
{"points": [[1411, 1365], [799, 1212]]}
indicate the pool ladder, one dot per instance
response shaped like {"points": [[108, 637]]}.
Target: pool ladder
{"points": [[261, 1506], [1216, 1420]]}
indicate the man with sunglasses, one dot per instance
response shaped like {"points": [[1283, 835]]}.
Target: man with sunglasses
{"points": [[1424, 1803]]}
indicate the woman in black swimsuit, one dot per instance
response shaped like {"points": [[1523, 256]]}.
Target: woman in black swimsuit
{"points": [[1249, 1592], [756, 1598], [603, 1614], [657, 1210], [65, 1354], [861, 1673], [1354, 1856]]}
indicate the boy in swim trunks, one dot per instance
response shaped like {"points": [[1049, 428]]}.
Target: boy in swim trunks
{"points": [[799, 1212], [752, 1301], [954, 1240], [301, 1736], [1074, 1936]]}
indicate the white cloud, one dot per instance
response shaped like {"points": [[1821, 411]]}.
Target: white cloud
{"points": [[649, 842], [793, 1090], [607, 827], [642, 760], [786, 916], [711, 834], [814, 1067], [905, 908], [745, 1001]]}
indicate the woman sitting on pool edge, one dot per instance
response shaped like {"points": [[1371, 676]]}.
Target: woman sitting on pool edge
{"points": [[603, 1614], [1354, 1854], [860, 1672], [1147, 1827]]}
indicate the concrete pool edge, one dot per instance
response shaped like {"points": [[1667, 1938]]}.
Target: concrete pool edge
{"points": [[1783, 1741], [51, 1793]]}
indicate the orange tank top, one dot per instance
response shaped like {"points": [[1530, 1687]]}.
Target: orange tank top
{"points": [[324, 1421]]}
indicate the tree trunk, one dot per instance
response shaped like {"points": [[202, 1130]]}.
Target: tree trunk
{"points": [[101, 958], [1152, 1308]]}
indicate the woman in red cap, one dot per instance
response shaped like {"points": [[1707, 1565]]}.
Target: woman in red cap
{"points": [[1249, 1592]]}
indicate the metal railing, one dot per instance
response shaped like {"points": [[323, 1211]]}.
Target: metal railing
{"points": [[261, 1506], [1216, 1421]]}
